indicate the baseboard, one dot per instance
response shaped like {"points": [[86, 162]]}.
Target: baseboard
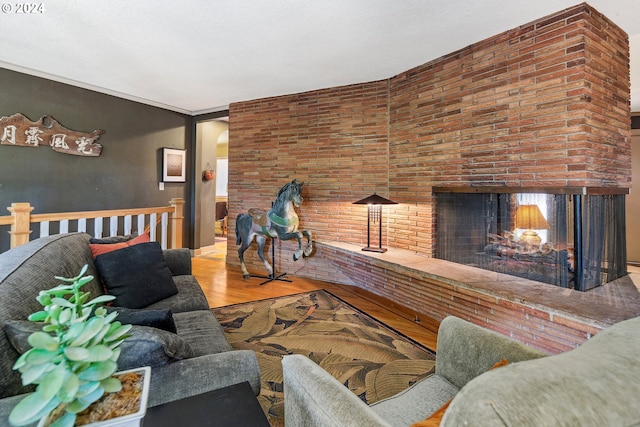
{"points": [[203, 250]]}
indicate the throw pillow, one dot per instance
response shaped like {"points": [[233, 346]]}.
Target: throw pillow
{"points": [[152, 347], [136, 275], [145, 346], [18, 331], [103, 248], [161, 319], [435, 418], [113, 239]]}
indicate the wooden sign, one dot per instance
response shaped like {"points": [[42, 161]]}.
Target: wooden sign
{"points": [[18, 130]]}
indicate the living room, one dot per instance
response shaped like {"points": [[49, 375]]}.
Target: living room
{"points": [[346, 142]]}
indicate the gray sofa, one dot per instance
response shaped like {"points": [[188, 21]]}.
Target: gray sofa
{"points": [[210, 362], [597, 384]]}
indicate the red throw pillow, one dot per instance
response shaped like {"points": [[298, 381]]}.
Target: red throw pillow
{"points": [[103, 248]]}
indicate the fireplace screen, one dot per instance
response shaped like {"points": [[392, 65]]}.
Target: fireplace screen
{"points": [[572, 241]]}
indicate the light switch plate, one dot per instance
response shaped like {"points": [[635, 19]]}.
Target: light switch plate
{"points": [[161, 186]]}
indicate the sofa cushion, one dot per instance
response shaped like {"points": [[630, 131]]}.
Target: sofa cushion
{"points": [[119, 242], [190, 297], [417, 402], [434, 419], [161, 319], [136, 275], [202, 331]]}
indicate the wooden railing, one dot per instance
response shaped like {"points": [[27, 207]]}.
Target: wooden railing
{"points": [[164, 224]]}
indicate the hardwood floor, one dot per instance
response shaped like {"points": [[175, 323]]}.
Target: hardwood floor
{"points": [[224, 285]]}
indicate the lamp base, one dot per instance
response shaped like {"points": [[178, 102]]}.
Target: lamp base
{"points": [[531, 238], [379, 250]]}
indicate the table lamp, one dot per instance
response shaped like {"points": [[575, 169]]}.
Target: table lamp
{"points": [[529, 218], [374, 213]]}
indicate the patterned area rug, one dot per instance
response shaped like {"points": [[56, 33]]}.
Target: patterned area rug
{"points": [[371, 359]]}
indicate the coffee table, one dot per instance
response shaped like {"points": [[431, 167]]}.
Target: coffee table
{"points": [[233, 406]]}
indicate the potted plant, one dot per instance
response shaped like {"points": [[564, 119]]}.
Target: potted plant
{"points": [[73, 358]]}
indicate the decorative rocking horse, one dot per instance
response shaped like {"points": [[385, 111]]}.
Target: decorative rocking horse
{"points": [[280, 221]]}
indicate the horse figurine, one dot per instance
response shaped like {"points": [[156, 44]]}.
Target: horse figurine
{"points": [[280, 221]]}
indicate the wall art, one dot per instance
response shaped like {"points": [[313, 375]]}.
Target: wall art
{"points": [[18, 130], [174, 162]]}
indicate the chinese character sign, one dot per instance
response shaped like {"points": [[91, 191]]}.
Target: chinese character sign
{"points": [[20, 131]]}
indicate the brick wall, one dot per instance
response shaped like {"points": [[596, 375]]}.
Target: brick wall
{"points": [[545, 104], [542, 105]]}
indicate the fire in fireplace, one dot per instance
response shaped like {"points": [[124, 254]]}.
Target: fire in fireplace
{"points": [[574, 240]]}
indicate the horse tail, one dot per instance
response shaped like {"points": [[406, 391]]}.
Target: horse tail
{"points": [[243, 225], [238, 239]]}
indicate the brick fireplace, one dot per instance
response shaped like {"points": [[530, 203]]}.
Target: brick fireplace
{"points": [[574, 239], [543, 105]]}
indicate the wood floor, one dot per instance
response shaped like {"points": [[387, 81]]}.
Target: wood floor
{"points": [[224, 285]]}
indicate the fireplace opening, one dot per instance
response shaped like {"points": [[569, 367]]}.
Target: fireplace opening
{"points": [[573, 241]]}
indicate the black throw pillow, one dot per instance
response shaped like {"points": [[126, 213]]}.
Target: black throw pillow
{"points": [[136, 275], [161, 319]]}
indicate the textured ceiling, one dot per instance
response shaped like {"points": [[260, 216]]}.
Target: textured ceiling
{"points": [[197, 56]]}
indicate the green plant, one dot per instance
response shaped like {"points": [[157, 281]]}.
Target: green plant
{"points": [[73, 358]]}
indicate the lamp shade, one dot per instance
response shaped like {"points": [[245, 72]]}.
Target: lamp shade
{"points": [[374, 199], [529, 217]]}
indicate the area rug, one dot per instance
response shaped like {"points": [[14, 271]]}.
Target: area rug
{"points": [[371, 359]]}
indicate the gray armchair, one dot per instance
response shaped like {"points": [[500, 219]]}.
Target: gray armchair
{"points": [[596, 384], [314, 398]]}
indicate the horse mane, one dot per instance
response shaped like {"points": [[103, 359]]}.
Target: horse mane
{"points": [[283, 195]]}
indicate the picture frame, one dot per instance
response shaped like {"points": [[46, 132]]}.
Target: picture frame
{"points": [[174, 165]]}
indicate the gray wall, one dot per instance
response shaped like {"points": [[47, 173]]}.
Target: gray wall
{"points": [[125, 175]]}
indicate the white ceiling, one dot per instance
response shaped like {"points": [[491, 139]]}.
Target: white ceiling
{"points": [[198, 56]]}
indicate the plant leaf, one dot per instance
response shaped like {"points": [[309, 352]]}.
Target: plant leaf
{"points": [[77, 354], [111, 385], [82, 403], [43, 341], [67, 420], [31, 373], [22, 360], [100, 335], [99, 353], [44, 299], [51, 383], [87, 388], [83, 298], [91, 328], [38, 316], [98, 371], [62, 302], [59, 290], [116, 354], [99, 300], [37, 356], [30, 409], [65, 315], [74, 331], [117, 331], [69, 388]]}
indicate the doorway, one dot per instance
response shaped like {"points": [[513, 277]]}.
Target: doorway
{"points": [[210, 189]]}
